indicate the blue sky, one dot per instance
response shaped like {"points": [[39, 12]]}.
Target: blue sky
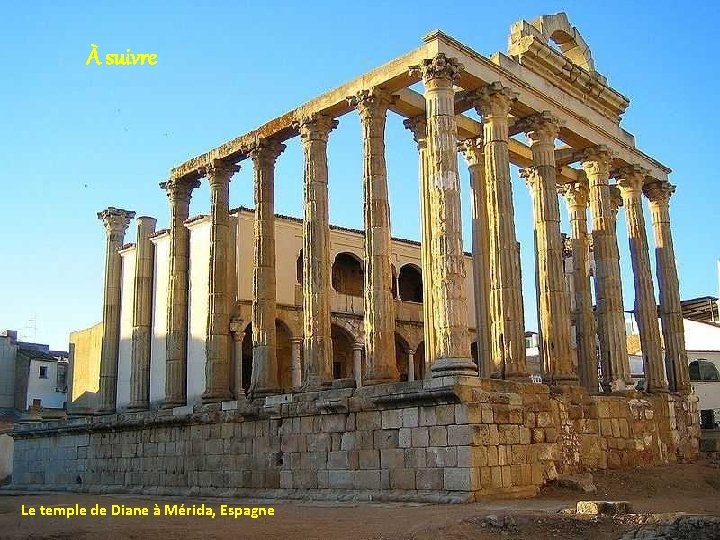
{"points": [[75, 138]]}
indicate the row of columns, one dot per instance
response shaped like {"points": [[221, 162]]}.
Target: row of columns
{"points": [[496, 261]]}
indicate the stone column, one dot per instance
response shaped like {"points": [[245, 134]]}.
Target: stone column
{"points": [[372, 106], [296, 344], [630, 182], [314, 133], [576, 196], [676, 361], [357, 364], [217, 345], [542, 130], [452, 344], [608, 290], [411, 365], [116, 221], [265, 367], [506, 305], [179, 191], [142, 315], [237, 337], [472, 149], [418, 126]]}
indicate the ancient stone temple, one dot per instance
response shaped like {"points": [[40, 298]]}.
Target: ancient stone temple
{"points": [[244, 353]]}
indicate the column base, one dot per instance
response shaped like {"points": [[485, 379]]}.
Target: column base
{"points": [[137, 407], [263, 392], [216, 398], [659, 390], [171, 404], [105, 410], [448, 367]]}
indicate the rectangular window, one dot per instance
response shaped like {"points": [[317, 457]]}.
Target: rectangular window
{"points": [[43, 372]]}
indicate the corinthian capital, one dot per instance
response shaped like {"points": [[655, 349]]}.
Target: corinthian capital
{"points": [[596, 160], [575, 193], [418, 126], [372, 103], [630, 179], [315, 127], [531, 176], [473, 150], [440, 67], [266, 151], [179, 189], [616, 200], [493, 99], [115, 221], [542, 127], [659, 191], [218, 171]]}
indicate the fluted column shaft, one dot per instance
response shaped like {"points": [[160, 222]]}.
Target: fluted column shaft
{"points": [[142, 315], [217, 345], [115, 221], [506, 305], [418, 126], [608, 288], [576, 196], [452, 344], [265, 366], [630, 182], [379, 310], [314, 133], [473, 150], [673, 331], [542, 129], [179, 192]]}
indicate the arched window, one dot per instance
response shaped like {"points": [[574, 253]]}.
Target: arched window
{"points": [[703, 370], [347, 275], [410, 284]]}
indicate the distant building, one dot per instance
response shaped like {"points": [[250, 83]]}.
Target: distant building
{"points": [[31, 376], [702, 341]]}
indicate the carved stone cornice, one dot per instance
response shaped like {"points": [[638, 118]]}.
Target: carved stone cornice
{"points": [[472, 150], [218, 171], [266, 151], [542, 127], [493, 99], [659, 191], [576, 193], [115, 220], [370, 104], [316, 127], [439, 67]]}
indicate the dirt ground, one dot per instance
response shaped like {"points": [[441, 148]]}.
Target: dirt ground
{"points": [[656, 495]]}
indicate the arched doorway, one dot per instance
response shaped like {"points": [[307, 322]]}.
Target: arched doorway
{"points": [[348, 276], [410, 284], [342, 353]]}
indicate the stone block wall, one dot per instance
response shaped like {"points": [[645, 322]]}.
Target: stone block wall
{"points": [[450, 439]]}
